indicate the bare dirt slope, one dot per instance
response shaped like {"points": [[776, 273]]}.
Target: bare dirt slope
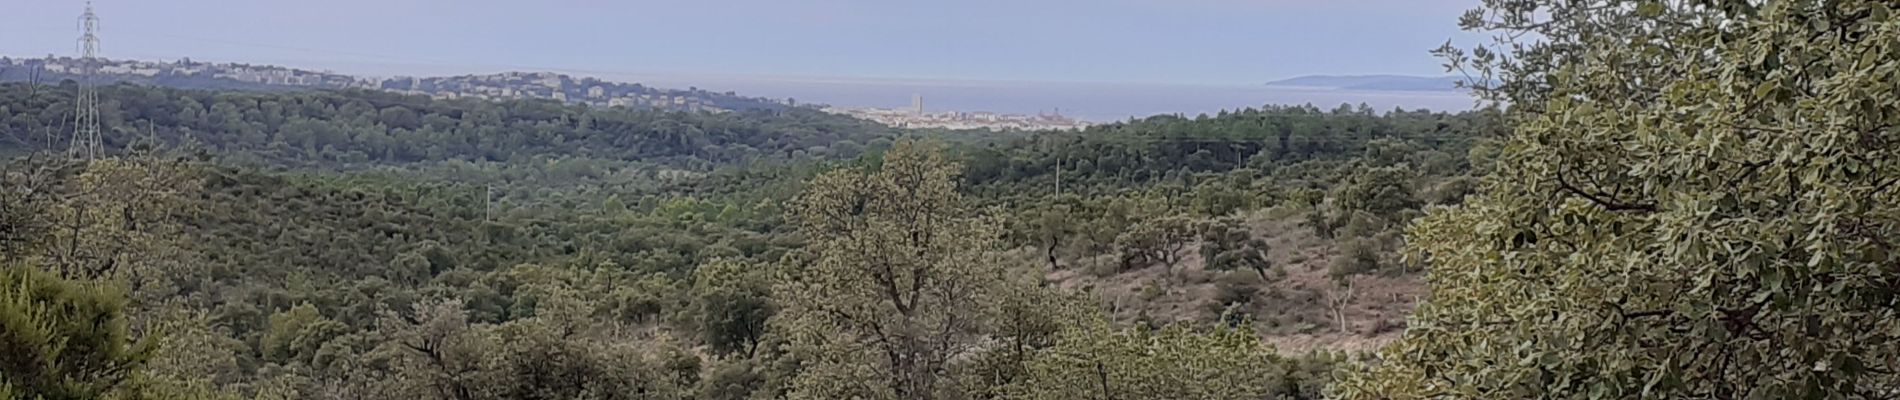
{"points": [[1293, 308]]}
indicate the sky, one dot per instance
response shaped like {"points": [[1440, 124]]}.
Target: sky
{"points": [[1220, 42]]}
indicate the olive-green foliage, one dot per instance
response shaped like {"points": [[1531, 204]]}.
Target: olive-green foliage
{"points": [[191, 360], [1453, 191], [1284, 143], [1074, 227], [1353, 256], [297, 333], [62, 339], [1355, 224], [902, 280], [434, 352], [734, 300], [98, 219], [1308, 376], [1321, 223], [1381, 191], [379, 246], [1093, 360], [1215, 198], [356, 128], [1235, 293], [1696, 203], [736, 380], [22, 210], [1155, 241], [1029, 319], [293, 273], [1227, 244]]}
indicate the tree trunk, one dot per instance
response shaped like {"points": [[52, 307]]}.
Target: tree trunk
{"points": [[1054, 241], [1339, 301]]}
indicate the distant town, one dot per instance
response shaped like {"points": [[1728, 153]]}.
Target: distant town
{"points": [[917, 117], [502, 86]]}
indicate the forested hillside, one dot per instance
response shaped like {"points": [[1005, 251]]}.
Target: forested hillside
{"points": [[1665, 200], [357, 128], [321, 244]]}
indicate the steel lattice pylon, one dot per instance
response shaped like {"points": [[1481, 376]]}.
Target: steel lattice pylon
{"points": [[87, 144]]}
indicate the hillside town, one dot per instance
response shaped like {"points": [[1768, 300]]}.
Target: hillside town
{"points": [[916, 117], [502, 86], [956, 120], [590, 91]]}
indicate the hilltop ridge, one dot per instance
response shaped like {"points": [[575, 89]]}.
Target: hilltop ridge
{"points": [[514, 85]]}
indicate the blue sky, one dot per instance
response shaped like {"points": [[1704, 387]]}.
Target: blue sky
{"points": [[1134, 41]]}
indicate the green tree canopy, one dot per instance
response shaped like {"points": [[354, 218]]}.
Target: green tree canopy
{"points": [[902, 278], [734, 300], [1227, 244], [1094, 361], [1697, 202], [63, 339]]}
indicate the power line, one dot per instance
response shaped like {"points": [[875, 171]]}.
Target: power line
{"points": [[86, 143]]}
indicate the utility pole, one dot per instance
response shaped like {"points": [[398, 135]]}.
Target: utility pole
{"points": [[1055, 238], [33, 79], [86, 141]]}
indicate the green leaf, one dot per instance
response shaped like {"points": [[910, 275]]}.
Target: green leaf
{"points": [[1649, 9]]}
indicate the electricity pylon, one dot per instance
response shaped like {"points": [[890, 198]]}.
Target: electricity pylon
{"points": [[86, 141]]}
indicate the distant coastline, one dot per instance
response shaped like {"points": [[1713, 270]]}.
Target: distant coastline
{"points": [[1088, 102], [1059, 103]]}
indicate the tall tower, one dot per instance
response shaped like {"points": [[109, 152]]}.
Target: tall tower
{"points": [[86, 141], [917, 104]]}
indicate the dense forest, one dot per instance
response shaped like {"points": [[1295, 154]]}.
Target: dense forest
{"points": [[354, 128], [674, 244], [1675, 200]]}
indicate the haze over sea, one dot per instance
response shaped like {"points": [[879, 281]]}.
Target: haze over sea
{"points": [[1091, 101]]}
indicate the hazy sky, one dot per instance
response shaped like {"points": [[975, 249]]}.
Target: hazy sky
{"points": [[1147, 41]]}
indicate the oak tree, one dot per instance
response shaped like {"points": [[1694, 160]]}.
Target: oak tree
{"points": [[1697, 202], [902, 278]]}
